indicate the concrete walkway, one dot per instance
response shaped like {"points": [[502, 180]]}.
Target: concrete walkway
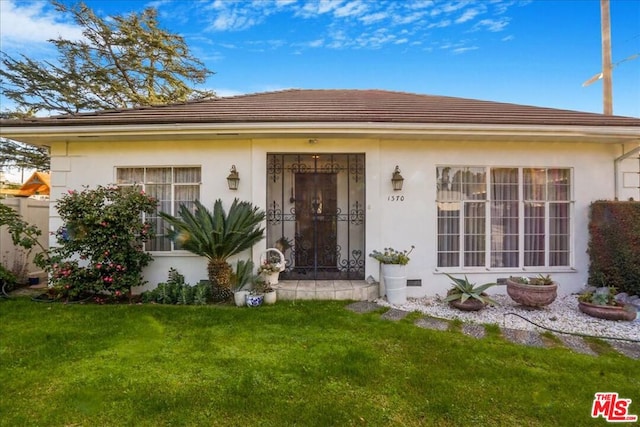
{"points": [[528, 338]]}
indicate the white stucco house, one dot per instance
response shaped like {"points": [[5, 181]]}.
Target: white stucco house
{"points": [[489, 189]]}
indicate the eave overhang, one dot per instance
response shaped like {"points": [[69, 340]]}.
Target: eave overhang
{"points": [[45, 135]]}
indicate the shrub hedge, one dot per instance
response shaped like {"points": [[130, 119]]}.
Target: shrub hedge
{"points": [[614, 245]]}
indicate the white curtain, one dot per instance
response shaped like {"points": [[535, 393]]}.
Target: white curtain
{"points": [[461, 189], [559, 196], [504, 217], [170, 187], [539, 198]]}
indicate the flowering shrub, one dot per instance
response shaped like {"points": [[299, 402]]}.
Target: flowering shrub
{"points": [[392, 256], [101, 245]]}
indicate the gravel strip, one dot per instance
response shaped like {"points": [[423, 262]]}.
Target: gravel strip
{"points": [[561, 315]]}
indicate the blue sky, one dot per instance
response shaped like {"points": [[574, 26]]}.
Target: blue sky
{"points": [[525, 52]]}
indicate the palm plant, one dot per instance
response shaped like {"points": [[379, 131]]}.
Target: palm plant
{"points": [[217, 235]]}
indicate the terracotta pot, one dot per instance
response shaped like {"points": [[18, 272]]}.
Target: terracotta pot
{"points": [[471, 304], [607, 312], [532, 295]]}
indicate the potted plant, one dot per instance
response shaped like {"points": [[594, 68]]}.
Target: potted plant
{"points": [[242, 277], [270, 294], [602, 303], [532, 291], [466, 296], [394, 276], [270, 271], [255, 297]]}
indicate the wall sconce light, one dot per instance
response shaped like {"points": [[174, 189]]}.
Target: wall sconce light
{"points": [[233, 179], [397, 180]]}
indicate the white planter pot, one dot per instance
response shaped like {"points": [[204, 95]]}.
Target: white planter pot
{"points": [[270, 278], [395, 283], [239, 298], [270, 297]]}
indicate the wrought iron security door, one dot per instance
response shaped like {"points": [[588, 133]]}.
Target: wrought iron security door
{"points": [[315, 214]]}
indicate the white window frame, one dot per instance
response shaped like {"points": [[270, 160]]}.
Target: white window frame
{"points": [[521, 224], [173, 184]]}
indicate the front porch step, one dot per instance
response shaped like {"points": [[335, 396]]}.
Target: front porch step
{"points": [[356, 290]]}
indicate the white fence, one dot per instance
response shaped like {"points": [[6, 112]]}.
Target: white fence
{"points": [[16, 259]]}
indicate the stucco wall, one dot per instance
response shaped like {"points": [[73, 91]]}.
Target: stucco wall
{"points": [[389, 222]]}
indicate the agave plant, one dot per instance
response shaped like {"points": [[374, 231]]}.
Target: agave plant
{"points": [[463, 290], [217, 235]]}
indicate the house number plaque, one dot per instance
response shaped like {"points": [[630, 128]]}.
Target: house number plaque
{"points": [[395, 198]]}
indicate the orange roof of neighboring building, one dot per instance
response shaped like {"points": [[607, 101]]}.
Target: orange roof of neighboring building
{"points": [[39, 183]]}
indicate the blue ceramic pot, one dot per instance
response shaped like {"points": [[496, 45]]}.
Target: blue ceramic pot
{"points": [[254, 300]]}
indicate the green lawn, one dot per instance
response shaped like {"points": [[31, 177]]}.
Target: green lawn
{"points": [[303, 363]]}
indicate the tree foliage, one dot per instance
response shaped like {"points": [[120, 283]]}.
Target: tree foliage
{"points": [[121, 62], [16, 155]]}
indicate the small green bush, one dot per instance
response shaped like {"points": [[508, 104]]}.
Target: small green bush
{"points": [[176, 291]]}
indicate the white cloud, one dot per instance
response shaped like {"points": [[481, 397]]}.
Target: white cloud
{"points": [[314, 8], [225, 92], [283, 3], [420, 4], [492, 25], [353, 8], [316, 43], [230, 20], [440, 24], [467, 15], [374, 17], [460, 50], [31, 23], [399, 19]]}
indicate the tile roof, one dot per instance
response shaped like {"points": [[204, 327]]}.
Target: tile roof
{"points": [[335, 106]]}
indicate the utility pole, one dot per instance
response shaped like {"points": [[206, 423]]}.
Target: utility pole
{"points": [[605, 28]]}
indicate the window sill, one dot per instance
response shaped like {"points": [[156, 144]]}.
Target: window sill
{"points": [[510, 271], [161, 254]]}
